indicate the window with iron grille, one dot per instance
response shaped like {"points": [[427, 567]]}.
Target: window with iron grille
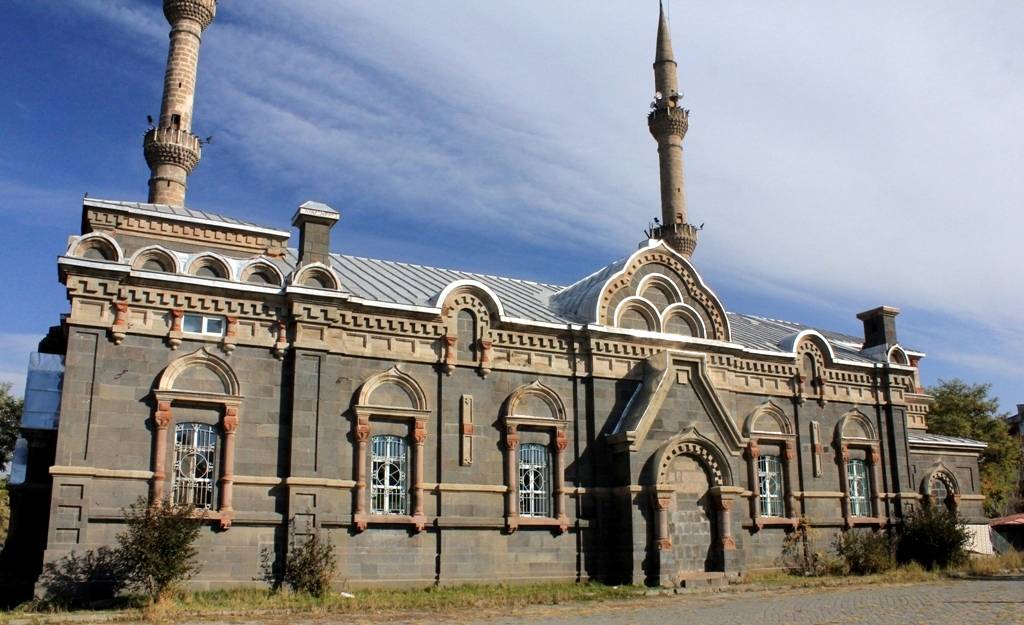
{"points": [[195, 459], [769, 481], [858, 485], [534, 480], [389, 485], [939, 492]]}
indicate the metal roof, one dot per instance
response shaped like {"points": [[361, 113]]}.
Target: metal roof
{"points": [[180, 213], [938, 440]]}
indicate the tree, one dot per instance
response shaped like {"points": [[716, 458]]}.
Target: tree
{"points": [[157, 550], [10, 421], [966, 410]]}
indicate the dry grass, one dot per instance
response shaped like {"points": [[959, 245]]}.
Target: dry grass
{"points": [[1003, 564], [907, 574]]}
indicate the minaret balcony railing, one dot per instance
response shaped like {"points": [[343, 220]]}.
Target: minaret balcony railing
{"points": [[201, 11], [668, 120], [172, 146]]}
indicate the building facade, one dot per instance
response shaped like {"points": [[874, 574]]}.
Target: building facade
{"points": [[441, 426]]}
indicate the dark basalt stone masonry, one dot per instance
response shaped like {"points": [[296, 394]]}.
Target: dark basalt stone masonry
{"points": [[444, 426]]}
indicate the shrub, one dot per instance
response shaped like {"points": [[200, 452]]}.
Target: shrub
{"points": [[157, 549], [310, 564], [933, 537], [802, 555], [864, 552], [79, 580]]}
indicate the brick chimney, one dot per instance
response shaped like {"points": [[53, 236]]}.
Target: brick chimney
{"points": [[879, 326], [314, 221]]}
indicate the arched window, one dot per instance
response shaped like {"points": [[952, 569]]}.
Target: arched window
{"points": [[260, 277], [858, 483], [209, 268], [938, 490], [678, 324], [466, 334], [659, 296], [195, 459], [95, 252], [154, 264], [633, 318], [389, 488], [770, 480], [534, 480]]}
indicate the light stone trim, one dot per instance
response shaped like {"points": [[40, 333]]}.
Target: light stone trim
{"points": [[97, 472], [319, 481]]}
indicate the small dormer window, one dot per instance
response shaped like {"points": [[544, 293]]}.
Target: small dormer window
{"points": [[176, 121], [206, 325]]}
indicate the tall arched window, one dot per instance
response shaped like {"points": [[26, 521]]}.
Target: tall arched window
{"points": [[534, 480], [770, 481], [195, 459], [389, 488], [466, 334], [858, 482]]}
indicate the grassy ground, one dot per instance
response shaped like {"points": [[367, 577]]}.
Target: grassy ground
{"points": [[221, 604]]}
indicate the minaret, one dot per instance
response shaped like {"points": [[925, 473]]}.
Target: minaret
{"points": [[668, 122], [172, 151]]}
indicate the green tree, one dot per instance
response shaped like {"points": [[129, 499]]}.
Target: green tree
{"points": [[10, 421], [966, 410], [157, 551]]}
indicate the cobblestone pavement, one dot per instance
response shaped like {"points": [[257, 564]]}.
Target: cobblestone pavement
{"points": [[953, 602]]}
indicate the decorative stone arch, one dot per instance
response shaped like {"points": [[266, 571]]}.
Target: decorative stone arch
{"points": [[316, 276], [694, 445], [97, 244], [771, 432], [391, 395], [939, 472], [898, 356], [198, 379], [663, 283], [538, 408], [692, 288], [688, 314], [257, 267], [642, 307], [813, 356], [155, 254], [485, 307], [213, 262], [856, 435]]}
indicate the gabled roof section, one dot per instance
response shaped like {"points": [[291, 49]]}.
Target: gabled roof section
{"points": [[923, 439], [773, 335]]}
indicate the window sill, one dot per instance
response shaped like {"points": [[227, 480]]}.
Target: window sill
{"points": [[861, 521], [362, 521], [771, 521], [513, 523]]}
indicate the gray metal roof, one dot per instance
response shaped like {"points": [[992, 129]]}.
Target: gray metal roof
{"points": [[578, 301], [938, 440], [768, 334], [180, 213]]}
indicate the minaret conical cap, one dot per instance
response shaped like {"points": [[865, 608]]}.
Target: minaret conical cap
{"points": [[664, 51]]}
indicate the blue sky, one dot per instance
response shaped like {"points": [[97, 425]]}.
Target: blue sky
{"points": [[840, 156]]}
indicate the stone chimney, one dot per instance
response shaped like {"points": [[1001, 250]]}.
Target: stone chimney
{"points": [[314, 221], [879, 326], [171, 150]]}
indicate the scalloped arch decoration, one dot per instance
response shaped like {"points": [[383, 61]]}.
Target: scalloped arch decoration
{"points": [[262, 266], [525, 401], [317, 276], [157, 254], [203, 359], [941, 473], [698, 448], [97, 243], [393, 388], [694, 288]]}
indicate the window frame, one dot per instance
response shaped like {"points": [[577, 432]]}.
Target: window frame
{"points": [[387, 491], [771, 505], [535, 502], [858, 488], [204, 323], [211, 445]]}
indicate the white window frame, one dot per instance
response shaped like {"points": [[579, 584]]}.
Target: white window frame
{"points": [[771, 486], [195, 446], [858, 487], [534, 480], [389, 475], [205, 321]]}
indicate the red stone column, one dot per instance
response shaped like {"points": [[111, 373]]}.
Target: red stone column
{"points": [[561, 442], [162, 420], [875, 458], [420, 437], [753, 453], [512, 494], [662, 502], [844, 482], [789, 472], [227, 480], [725, 522], [362, 436]]}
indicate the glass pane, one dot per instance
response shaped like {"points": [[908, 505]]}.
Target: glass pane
{"points": [[534, 480], [192, 323], [214, 325], [389, 485], [770, 484], [194, 476]]}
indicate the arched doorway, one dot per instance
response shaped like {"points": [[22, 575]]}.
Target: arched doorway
{"points": [[692, 520]]}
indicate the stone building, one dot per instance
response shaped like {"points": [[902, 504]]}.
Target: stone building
{"points": [[444, 426]]}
